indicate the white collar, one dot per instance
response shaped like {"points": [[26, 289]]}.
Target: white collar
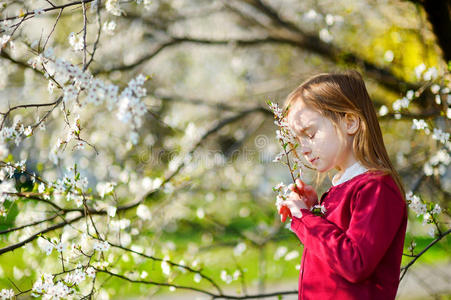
{"points": [[352, 171]]}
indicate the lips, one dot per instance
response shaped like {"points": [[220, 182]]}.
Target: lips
{"points": [[313, 160]]}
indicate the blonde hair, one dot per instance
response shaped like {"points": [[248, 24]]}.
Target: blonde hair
{"points": [[335, 94]]}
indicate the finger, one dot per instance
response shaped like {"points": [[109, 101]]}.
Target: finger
{"points": [[293, 196], [299, 184], [291, 187]]}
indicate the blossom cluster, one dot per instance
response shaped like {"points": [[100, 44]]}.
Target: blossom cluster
{"points": [[101, 246], [421, 208], [328, 21], [78, 276], [5, 188], [427, 74], [6, 294], [15, 133], [438, 163], [7, 184], [105, 188], [76, 82], [228, 278], [286, 137], [284, 134], [46, 288], [282, 251], [71, 187], [282, 193]]}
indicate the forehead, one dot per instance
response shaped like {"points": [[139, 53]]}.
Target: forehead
{"points": [[301, 116]]}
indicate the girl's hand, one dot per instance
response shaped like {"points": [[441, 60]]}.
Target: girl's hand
{"points": [[295, 203], [306, 192]]}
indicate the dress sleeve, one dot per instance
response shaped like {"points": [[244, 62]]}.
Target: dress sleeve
{"points": [[304, 211], [377, 213]]}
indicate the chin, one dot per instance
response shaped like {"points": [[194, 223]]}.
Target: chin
{"points": [[323, 169]]}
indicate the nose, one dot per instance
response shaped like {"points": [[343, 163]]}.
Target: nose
{"points": [[305, 150]]}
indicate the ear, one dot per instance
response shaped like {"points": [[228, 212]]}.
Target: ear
{"points": [[351, 123]]}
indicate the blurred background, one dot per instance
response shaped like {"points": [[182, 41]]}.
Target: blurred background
{"points": [[209, 137]]}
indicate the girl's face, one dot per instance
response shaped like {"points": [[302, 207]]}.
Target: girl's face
{"points": [[320, 142]]}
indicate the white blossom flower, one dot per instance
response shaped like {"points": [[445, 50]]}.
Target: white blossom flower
{"points": [[101, 246], [109, 27], [435, 88], [165, 267], [76, 42], [325, 35], [4, 39], [112, 6], [419, 70], [419, 124], [383, 110], [312, 16], [197, 277], [38, 12], [412, 246], [239, 249], [389, 55], [200, 213], [7, 294], [276, 110], [280, 252], [28, 131], [279, 186], [430, 74], [91, 272], [440, 135], [291, 255], [437, 209], [427, 218], [427, 169], [59, 247], [416, 204], [279, 157], [226, 277], [134, 137], [41, 188], [111, 211], [401, 103], [48, 247], [104, 188], [143, 212]]}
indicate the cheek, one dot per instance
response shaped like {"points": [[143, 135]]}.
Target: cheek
{"points": [[323, 143]]}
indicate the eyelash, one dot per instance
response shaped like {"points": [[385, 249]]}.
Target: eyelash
{"points": [[311, 137]]}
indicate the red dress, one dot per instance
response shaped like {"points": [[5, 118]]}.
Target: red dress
{"points": [[355, 251]]}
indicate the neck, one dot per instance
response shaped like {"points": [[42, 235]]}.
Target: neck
{"points": [[349, 162]]}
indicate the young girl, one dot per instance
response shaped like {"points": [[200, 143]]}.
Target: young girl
{"points": [[354, 250]]}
